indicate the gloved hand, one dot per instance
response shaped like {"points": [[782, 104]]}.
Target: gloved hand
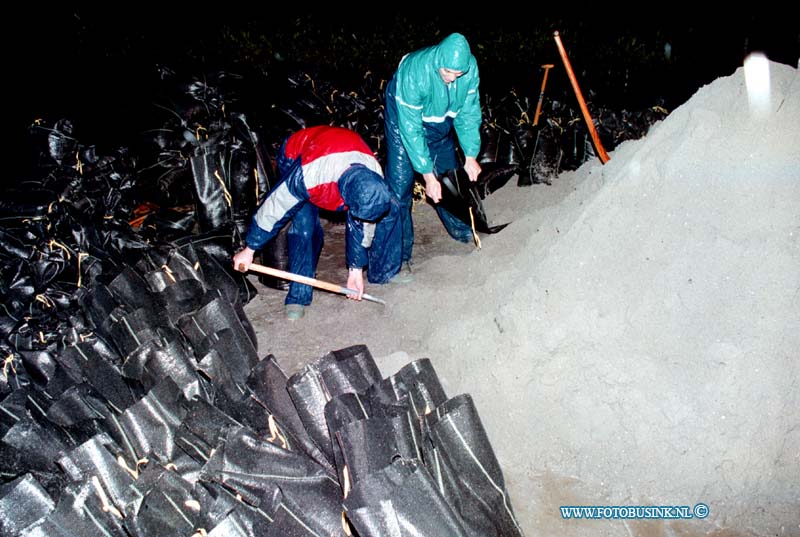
{"points": [[243, 259], [355, 281]]}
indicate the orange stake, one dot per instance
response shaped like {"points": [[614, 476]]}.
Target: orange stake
{"points": [[589, 123]]}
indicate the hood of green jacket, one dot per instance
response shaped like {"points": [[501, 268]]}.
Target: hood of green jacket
{"points": [[453, 53]]}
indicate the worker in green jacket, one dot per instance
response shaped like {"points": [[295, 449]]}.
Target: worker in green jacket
{"points": [[432, 96]]}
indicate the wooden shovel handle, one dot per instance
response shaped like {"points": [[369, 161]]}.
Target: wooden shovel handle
{"points": [[255, 267], [546, 68], [589, 123]]}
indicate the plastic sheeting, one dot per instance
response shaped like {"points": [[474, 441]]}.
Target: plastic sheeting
{"points": [[461, 198]]}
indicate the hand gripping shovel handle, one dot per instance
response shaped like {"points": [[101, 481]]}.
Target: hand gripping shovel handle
{"points": [[255, 267]]}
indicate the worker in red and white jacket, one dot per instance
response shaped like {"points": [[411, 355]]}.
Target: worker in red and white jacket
{"points": [[329, 168]]}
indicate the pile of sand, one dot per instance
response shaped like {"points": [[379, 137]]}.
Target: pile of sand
{"points": [[639, 342]]}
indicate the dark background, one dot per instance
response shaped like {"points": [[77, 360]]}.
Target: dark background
{"points": [[108, 70]]}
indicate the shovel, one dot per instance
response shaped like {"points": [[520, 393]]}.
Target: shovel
{"points": [[255, 267], [546, 68], [581, 102]]}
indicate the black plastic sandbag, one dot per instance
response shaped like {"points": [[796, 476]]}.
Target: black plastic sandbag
{"points": [[81, 511], [95, 462], [130, 288], [212, 255], [98, 301], [508, 147], [158, 359], [35, 401], [490, 138], [234, 355], [288, 520], [275, 254], [148, 427], [525, 140], [577, 146], [493, 177], [347, 408], [217, 326], [178, 284], [15, 377], [256, 469], [369, 445], [219, 275], [215, 315], [222, 374], [96, 363], [14, 407], [267, 384], [184, 296], [130, 330], [168, 505], [248, 412], [23, 503], [14, 299], [460, 458], [415, 385], [126, 311], [50, 442], [265, 177], [48, 376], [77, 404], [396, 404], [368, 435], [240, 166], [18, 296], [236, 518], [348, 370], [543, 155], [203, 427], [402, 500], [18, 204], [461, 198], [47, 267], [212, 197], [167, 267]]}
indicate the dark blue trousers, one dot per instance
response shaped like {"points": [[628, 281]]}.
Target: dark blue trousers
{"points": [[400, 174], [305, 239]]}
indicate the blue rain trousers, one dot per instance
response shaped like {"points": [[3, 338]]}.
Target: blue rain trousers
{"points": [[400, 174]]}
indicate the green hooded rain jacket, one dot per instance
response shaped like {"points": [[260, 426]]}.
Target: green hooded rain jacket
{"points": [[422, 96]]}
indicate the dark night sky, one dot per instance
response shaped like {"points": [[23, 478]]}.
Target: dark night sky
{"points": [[99, 67]]}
